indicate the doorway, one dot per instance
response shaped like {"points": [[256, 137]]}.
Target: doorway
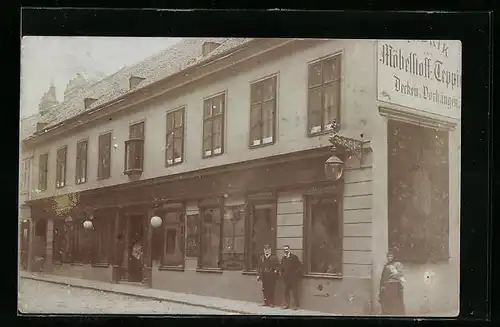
{"points": [[135, 248], [131, 248], [24, 244]]}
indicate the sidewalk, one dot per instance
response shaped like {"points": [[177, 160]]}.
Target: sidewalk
{"points": [[227, 305]]}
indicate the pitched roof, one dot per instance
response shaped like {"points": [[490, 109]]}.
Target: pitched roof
{"points": [[28, 125], [179, 56]]}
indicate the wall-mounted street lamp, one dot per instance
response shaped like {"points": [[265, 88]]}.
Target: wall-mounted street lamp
{"points": [[156, 221], [334, 166], [87, 224]]}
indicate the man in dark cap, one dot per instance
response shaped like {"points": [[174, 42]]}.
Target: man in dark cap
{"points": [[268, 270], [291, 269]]}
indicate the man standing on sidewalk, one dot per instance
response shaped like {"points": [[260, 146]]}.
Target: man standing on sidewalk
{"points": [[291, 269], [268, 274]]}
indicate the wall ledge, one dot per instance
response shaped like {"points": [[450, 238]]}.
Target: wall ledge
{"points": [[414, 117]]}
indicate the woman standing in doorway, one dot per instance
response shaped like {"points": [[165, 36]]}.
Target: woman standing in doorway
{"points": [[391, 287], [136, 260]]}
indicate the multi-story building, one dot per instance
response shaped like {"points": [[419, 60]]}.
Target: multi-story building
{"points": [[224, 141]]}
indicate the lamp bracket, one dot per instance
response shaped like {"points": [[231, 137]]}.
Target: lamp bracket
{"points": [[351, 146]]}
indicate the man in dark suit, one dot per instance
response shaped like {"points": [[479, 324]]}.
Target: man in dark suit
{"points": [[291, 269], [268, 271]]}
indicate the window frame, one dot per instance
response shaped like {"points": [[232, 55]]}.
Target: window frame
{"points": [[222, 116], [242, 208], [202, 207], [173, 113], [133, 139], [57, 241], [43, 171], [61, 180], [252, 200], [261, 102], [318, 195], [104, 172], [79, 169], [25, 175], [324, 128]]}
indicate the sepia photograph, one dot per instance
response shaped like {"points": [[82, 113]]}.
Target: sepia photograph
{"points": [[239, 176]]}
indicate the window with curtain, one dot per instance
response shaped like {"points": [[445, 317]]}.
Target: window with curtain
{"points": [[173, 229], [81, 162], [263, 112], [43, 168], [324, 89], [210, 245], [213, 125], [175, 137], [104, 164], [61, 167], [134, 149], [233, 245], [418, 182], [323, 231]]}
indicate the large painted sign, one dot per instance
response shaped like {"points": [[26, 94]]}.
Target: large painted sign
{"points": [[421, 74]]}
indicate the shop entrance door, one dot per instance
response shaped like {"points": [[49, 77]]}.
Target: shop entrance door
{"points": [[24, 243], [130, 239]]}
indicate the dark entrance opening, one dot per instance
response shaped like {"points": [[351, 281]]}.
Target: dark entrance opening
{"points": [[24, 243], [135, 248]]}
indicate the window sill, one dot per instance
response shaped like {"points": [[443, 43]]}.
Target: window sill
{"points": [[99, 265], [80, 183], [76, 264], [413, 261], [170, 268], [213, 155], [135, 171], [249, 272], [209, 270], [322, 276], [262, 145], [103, 178], [325, 132]]}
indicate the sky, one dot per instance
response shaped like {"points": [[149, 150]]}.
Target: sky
{"points": [[49, 59]]}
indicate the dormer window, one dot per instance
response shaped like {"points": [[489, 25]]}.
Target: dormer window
{"points": [[209, 47], [87, 102], [40, 126], [134, 81]]}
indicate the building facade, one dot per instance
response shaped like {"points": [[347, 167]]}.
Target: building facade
{"points": [[225, 140]]}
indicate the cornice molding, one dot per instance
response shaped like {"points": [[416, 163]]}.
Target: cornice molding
{"points": [[412, 116]]}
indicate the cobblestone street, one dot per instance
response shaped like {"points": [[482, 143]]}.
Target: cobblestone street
{"points": [[43, 297]]}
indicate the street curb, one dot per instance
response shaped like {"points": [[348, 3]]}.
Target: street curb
{"points": [[47, 280]]}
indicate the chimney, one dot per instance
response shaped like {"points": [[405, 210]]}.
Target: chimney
{"points": [[208, 47], [87, 102], [134, 81]]}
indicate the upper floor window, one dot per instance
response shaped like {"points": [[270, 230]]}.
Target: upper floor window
{"points": [[175, 137], [263, 112], [43, 168], [61, 167], [25, 175], [104, 164], [323, 94], [134, 149], [81, 162], [213, 125]]}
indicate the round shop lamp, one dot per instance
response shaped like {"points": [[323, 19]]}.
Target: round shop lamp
{"points": [[334, 168], [87, 224], [156, 221]]}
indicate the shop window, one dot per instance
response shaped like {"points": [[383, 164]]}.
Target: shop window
{"points": [[210, 243], [213, 125], [418, 182], [263, 112], [81, 162], [134, 149], [173, 248], [157, 241], [43, 169], [175, 137], [104, 164], [261, 230], [323, 234], [233, 244], [61, 167], [324, 89]]}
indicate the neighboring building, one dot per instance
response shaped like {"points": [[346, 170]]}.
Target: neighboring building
{"points": [[226, 140]]}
